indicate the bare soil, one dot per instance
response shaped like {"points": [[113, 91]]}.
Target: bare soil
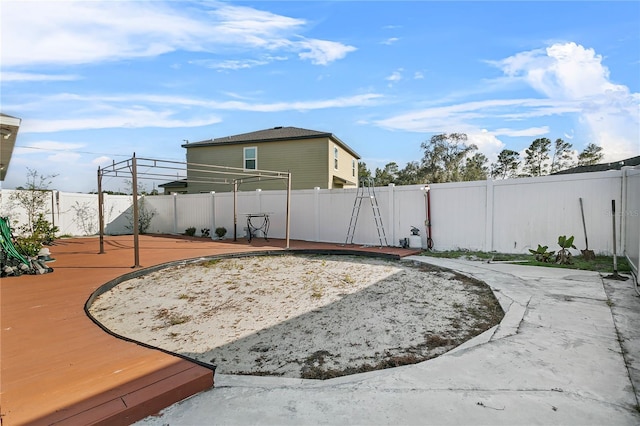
{"points": [[308, 316]]}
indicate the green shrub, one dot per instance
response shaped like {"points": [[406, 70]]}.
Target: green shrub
{"points": [[541, 254], [28, 246], [190, 231], [564, 255]]}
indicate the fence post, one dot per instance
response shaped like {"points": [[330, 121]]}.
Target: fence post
{"points": [[391, 217], [316, 212], [623, 209], [175, 212], [212, 232], [259, 200], [488, 228]]}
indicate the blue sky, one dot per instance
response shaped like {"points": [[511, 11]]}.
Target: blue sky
{"points": [[94, 82]]}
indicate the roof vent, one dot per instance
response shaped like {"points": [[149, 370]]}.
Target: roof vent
{"points": [[278, 127]]}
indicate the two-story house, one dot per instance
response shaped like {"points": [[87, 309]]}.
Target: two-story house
{"points": [[314, 159]]}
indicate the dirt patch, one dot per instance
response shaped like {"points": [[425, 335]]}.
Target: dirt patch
{"points": [[301, 316]]}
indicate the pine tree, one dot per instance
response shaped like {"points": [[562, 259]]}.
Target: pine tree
{"points": [[387, 175], [475, 168], [562, 156], [507, 165], [535, 162], [591, 155]]}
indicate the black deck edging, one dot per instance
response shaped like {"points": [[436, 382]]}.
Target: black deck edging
{"points": [[144, 271]]}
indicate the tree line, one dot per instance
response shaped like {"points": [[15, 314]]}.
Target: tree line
{"points": [[448, 158]]}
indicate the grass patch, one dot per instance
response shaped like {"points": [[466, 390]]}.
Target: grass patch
{"points": [[601, 263], [171, 318]]}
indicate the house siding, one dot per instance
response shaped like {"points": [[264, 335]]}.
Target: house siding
{"points": [[344, 170], [306, 160]]}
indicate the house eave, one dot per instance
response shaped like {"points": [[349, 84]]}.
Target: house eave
{"points": [[331, 136]]}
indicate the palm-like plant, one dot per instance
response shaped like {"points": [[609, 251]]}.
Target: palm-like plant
{"points": [[564, 255]]}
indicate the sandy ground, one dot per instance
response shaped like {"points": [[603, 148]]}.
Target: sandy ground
{"points": [[300, 316]]}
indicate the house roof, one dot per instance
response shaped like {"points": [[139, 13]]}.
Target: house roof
{"points": [[182, 183], [9, 127], [616, 165], [271, 135]]}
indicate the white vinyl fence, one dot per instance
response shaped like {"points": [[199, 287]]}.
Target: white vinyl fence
{"points": [[630, 216], [508, 216], [74, 214]]}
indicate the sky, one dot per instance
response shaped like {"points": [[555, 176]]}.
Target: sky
{"points": [[95, 82]]}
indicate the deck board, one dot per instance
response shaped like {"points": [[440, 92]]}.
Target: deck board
{"points": [[58, 367]]}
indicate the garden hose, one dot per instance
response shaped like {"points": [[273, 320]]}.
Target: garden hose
{"points": [[7, 245]]}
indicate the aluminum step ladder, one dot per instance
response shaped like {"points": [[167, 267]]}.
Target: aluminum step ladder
{"points": [[366, 190]]}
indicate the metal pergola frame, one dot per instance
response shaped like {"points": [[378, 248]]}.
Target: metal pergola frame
{"points": [[160, 169]]}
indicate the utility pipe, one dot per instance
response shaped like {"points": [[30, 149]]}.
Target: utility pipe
{"points": [[427, 222]]}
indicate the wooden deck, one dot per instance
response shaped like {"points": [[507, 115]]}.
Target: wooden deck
{"points": [[58, 367]]}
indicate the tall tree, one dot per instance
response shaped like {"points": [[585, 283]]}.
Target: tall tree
{"points": [[444, 157], [475, 168], [591, 155], [387, 175], [412, 174], [535, 162], [562, 156], [363, 171], [507, 165]]}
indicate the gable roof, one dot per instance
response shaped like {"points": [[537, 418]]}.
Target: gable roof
{"points": [[271, 135], [616, 165]]}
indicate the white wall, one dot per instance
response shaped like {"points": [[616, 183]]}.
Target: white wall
{"points": [[72, 213], [508, 216], [533, 211]]}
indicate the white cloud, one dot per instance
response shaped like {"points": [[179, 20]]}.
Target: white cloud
{"points": [[322, 52], [487, 143], [132, 118], [575, 85], [64, 157], [24, 76], [418, 75], [390, 41], [460, 117], [78, 32], [43, 146], [395, 76], [103, 160], [529, 132], [231, 64], [572, 74], [116, 111]]}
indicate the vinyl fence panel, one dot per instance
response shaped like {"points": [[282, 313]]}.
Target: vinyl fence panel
{"points": [[630, 217], [509, 216]]}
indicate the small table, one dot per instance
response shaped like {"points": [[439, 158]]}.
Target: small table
{"points": [[252, 228]]}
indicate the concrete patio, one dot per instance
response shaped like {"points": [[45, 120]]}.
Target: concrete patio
{"points": [[566, 352]]}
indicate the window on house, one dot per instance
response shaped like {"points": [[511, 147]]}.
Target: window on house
{"points": [[251, 158], [353, 168], [335, 157]]}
